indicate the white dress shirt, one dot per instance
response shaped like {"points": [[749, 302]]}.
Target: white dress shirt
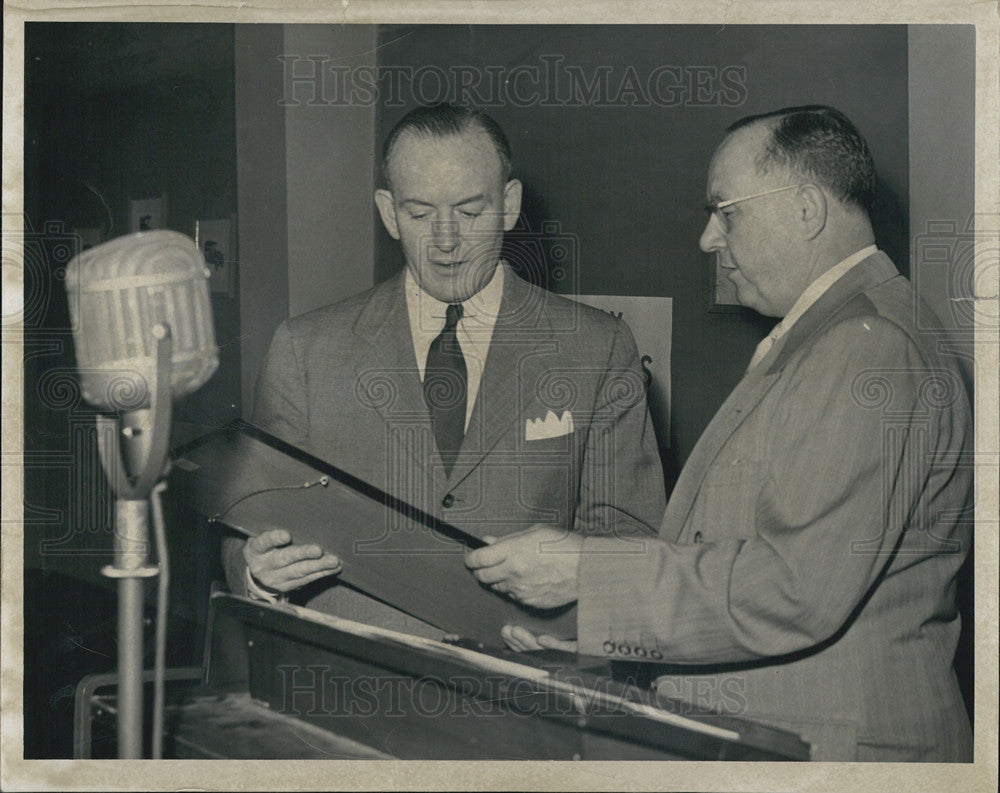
{"points": [[474, 329], [812, 293]]}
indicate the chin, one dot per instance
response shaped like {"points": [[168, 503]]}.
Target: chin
{"points": [[753, 305], [453, 284], [745, 296], [455, 289]]}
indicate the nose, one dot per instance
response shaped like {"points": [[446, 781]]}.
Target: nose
{"points": [[712, 238], [445, 234]]}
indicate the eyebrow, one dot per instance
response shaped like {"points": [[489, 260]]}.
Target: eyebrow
{"points": [[463, 202]]}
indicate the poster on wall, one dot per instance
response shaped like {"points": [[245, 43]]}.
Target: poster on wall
{"points": [[146, 214], [214, 239], [650, 320]]}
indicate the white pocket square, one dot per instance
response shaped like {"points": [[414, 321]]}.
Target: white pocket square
{"points": [[549, 427]]}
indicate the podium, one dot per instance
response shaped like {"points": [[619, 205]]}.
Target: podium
{"points": [[283, 682]]}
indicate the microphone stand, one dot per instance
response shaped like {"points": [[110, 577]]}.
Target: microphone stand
{"points": [[147, 437]]}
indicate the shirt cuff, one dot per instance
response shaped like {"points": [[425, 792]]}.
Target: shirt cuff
{"points": [[257, 591]]}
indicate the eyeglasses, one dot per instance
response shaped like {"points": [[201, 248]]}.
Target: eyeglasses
{"points": [[716, 209]]}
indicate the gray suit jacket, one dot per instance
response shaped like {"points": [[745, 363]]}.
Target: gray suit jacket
{"points": [[810, 547], [342, 382]]}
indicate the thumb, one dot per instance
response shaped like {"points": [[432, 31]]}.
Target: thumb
{"points": [[489, 539]]}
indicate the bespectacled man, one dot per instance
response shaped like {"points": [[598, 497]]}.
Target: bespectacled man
{"points": [[808, 554]]}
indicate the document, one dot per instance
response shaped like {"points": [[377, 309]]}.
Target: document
{"points": [[250, 481]]}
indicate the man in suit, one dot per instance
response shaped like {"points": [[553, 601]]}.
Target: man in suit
{"points": [[807, 558], [455, 386]]}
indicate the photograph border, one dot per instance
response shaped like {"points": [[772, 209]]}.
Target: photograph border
{"points": [[16, 773]]}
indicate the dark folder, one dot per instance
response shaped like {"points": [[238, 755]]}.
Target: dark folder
{"points": [[251, 481]]}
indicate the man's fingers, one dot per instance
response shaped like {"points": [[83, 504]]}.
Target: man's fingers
{"points": [[551, 643], [522, 640], [485, 557], [293, 554], [315, 576], [506, 633], [265, 541], [525, 637], [491, 575], [294, 575], [519, 639], [516, 544], [325, 565]]}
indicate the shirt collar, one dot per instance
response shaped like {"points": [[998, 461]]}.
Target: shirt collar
{"points": [[818, 288], [427, 313]]}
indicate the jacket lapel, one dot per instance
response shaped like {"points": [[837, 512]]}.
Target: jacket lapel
{"points": [[876, 269], [740, 403], [513, 366], [388, 379]]}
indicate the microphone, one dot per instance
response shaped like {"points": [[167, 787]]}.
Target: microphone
{"points": [[142, 329], [119, 292]]}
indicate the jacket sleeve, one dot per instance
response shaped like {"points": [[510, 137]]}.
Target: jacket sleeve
{"points": [[621, 483], [280, 403], [280, 408], [844, 467]]}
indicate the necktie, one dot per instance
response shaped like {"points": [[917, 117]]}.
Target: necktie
{"points": [[445, 388]]}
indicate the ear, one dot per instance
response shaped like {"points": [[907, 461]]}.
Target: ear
{"points": [[387, 209], [511, 203], [812, 209]]}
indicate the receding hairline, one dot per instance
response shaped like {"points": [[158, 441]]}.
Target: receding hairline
{"points": [[470, 130], [763, 123], [764, 127]]}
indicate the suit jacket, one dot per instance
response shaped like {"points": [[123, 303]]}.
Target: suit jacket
{"points": [[342, 382], [808, 555]]}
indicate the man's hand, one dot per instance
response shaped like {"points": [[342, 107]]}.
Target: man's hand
{"points": [[522, 640], [537, 567], [279, 565]]}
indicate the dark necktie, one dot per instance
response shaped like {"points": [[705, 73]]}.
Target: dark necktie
{"points": [[445, 388]]}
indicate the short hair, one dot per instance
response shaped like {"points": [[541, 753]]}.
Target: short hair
{"points": [[442, 120], [820, 142]]}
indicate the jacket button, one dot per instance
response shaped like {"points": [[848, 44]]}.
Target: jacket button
{"points": [[698, 536], [447, 501], [609, 647]]}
